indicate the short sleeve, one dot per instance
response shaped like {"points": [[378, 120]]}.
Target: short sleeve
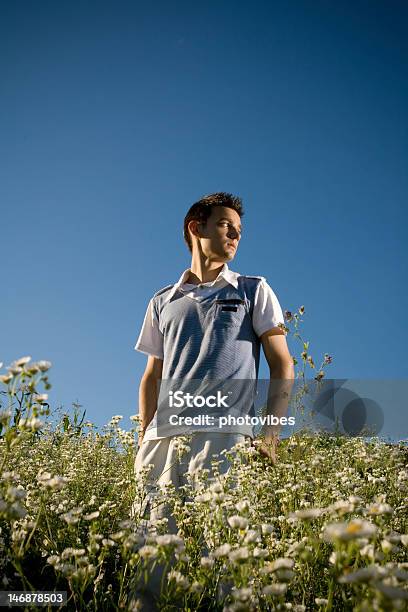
{"points": [[150, 339], [267, 312]]}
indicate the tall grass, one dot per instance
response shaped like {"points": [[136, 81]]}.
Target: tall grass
{"points": [[325, 528]]}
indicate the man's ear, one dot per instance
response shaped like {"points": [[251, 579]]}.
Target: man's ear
{"points": [[193, 227]]}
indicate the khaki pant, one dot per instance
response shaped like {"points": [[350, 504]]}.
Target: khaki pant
{"points": [[167, 468]]}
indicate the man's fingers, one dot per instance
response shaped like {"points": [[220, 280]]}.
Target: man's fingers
{"points": [[268, 451]]}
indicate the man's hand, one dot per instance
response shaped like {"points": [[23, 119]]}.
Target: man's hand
{"points": [[281, 379], [267, 448], [140, 436]]}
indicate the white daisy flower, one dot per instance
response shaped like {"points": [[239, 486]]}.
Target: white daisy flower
{"points": [[181, 581], [148, 552], [239, 555], [221, 551], [43, 365], [306, 514], [378, 509], [278, 588], [22, 361], [282, 563], [404, 539], [237, 522], [41, 397], [364, 574], [344, 532], [243, 594]]}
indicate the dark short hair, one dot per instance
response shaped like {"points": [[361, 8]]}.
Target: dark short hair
{"points": [[201, 210]]}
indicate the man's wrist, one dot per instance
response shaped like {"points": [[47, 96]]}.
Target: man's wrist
{"points": [[271, 438], [269, 434]]}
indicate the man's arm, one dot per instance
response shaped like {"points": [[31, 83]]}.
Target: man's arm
{"points": [[148, 393], [281, 375]]}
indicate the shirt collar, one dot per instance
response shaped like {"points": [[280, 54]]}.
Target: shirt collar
{"points": [[230, 276]]}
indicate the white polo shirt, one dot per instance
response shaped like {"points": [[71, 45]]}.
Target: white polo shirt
{"points": [[267, 312]]}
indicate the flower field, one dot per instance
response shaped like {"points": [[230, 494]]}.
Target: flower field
{"points": [[325, 528]]}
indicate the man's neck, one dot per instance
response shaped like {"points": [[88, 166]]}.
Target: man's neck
{"points": [[203, 270]]}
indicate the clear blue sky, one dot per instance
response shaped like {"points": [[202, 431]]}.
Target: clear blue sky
{"points": [[116, 117]]}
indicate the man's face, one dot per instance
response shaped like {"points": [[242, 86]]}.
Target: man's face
{"points": [[220, 236]]}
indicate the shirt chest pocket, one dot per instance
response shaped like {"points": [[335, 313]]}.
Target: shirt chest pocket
{"points": [[229, 312]]}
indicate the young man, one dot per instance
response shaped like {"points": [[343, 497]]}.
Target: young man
{"points": [[208, 325]]}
